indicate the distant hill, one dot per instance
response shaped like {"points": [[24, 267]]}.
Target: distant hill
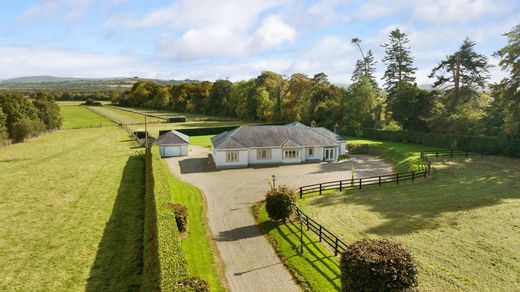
{"points": [[72, 84]]}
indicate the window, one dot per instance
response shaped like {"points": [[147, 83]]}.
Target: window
{"points": [[262, 154], [311, 151], [290, 154], [232, 156]]}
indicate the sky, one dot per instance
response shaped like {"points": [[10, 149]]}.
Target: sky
{"points": [[237, 39]]}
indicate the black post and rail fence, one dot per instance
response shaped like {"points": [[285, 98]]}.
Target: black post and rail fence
{"points": [[333, 241]]}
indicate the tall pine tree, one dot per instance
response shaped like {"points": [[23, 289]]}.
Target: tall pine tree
{"points": [[398, 60], [461, 74]]}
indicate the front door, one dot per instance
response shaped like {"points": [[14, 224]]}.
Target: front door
{"points": [[329, 153]]}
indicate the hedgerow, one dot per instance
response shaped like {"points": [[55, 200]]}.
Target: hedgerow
{"points": [[164, 264], [489, 144]]}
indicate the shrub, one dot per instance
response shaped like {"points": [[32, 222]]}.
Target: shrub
{"points": [[192, 284], [357, 148], [181, 216], [279, 203], [377, 265]]}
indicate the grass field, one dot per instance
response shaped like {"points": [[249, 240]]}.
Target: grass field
{"points": [[316, 269], [75, 117], [189, 116], [204, 141], [122, 116], [462, 224], [197, 249], [72, 212]]}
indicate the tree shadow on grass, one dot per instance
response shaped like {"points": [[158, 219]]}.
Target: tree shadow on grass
{"points": [[456, 185], [312, 247], [119, 259]]}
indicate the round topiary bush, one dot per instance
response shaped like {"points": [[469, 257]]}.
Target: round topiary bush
{"points": [[192, 284], [181, 216], [377, 265], [279, 203]]}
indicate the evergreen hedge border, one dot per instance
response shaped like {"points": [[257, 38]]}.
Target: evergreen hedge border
{"points": [[481, 144], [164, 264]]}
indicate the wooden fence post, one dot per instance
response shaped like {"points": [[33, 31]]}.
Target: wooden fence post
{"points": [[379, 181], [336, 247], [301, 193], [413, 176], [340, 185], [320, 189], [360, 183], [320, 234], [397, 178]]}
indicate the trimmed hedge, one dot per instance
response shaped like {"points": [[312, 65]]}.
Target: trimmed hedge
{"points": [[279, 203], [192, 284], [489, 144], [164, 264], [377, 265], [206, 131]]}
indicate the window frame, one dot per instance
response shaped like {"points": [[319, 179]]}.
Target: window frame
{"points": [[311, 152], [296, 152], [234, 156], [267, 152]]}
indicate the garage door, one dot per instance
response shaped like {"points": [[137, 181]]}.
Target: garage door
{"points": [[170, 151]]}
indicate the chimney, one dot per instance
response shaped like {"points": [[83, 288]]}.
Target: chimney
{"points": [[313, 124], [336, 128]]}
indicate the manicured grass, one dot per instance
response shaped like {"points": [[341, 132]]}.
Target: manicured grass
{"points": [[404, 157], [72, 213], [317, 269], [125, 117], [204, 141], [462, 224], [75, 117], [196, 246]]}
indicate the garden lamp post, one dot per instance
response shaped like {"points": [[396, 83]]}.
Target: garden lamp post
{"points": [[274, 181]]}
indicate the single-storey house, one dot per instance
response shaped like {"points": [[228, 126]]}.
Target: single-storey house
{"points": [[173, 143], [276, 144]]}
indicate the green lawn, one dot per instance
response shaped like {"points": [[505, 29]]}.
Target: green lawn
{"points": [[75, 117], [197, 249], [462, 224], [72, 212], [204, 141], [404, 157], [317, 269], [122, 116]]}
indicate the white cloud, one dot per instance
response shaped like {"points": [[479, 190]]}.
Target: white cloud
{"points": [[274, 32], [459, 11], [57, 10]]}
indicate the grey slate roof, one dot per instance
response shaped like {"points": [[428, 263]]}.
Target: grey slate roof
{"points": [[173, 137], [329, 134], [290, 135]]}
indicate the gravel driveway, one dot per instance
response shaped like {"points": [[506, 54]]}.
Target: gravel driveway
{"points": [[250, 262]]}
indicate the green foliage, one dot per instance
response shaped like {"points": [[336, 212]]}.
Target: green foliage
{"points": [[364, 98], [192, 284], [377, 265], [461, 73], [3, 127], [410, 106], [25, 128], [164, 262], [357, 148], [398, 60], [279, 203], [486, 144], [181, 216]]}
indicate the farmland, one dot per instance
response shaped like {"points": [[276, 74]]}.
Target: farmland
{"points": [[75, 116], [461, 224], [72, 214]]}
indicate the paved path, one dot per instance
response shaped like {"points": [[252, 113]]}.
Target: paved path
{"points": [[250, 262]]}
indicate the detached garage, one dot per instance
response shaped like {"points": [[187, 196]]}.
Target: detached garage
{"points": [[173, 143]]}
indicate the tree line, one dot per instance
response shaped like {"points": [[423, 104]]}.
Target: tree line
{"points": [[23, 116], [459, 103]]}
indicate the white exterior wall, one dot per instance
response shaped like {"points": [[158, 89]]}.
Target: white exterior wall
{"points": [[317, 155], [185, 150], [220, 157], [342, 148], [276, 156], [294, 160]]}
